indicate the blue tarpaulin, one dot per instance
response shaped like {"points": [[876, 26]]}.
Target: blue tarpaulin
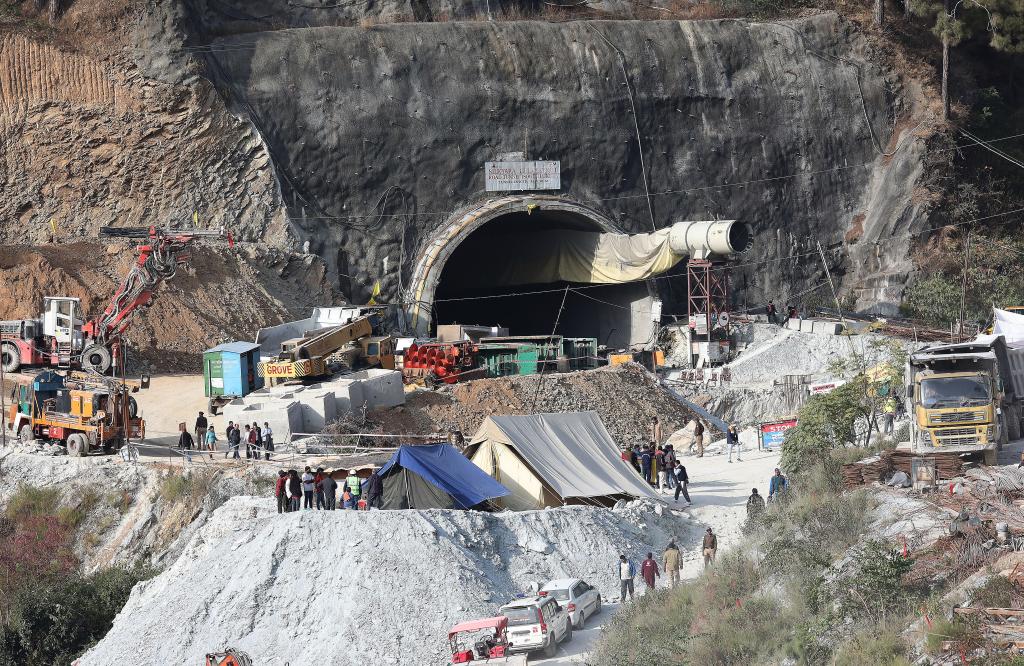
{"points": [[451, 472]]}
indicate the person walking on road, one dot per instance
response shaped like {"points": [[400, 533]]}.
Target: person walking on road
{"points": [[374, 491], [185, 439], [257, 443], [698, 438], [670, 561], [294, 490], [772, 311], [200, 430], [211, 440], [682, 480], [709, 547], [649, 571], [308, 486], [732, 440], [280, 492], [625, 571], [755, 505], [777, 485]]}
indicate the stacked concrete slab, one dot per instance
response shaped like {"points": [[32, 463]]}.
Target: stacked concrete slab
{"points": [[307, 409], [284, 416]]}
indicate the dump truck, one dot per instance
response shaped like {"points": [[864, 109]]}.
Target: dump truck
{"points": [[965, 397], [81, 412]]}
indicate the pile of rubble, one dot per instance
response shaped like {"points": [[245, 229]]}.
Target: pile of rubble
{"points": [[626, 397]]}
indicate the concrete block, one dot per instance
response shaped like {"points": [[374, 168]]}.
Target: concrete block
{"points": [[806, 325], [284, 418], [381, 388], [827, 327], [793, 324], [348, 395], [318, 409]]}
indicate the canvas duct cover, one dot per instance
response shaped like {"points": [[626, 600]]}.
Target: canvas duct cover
{"points": [[446, 469], [1010, 325], [572, 452], [586, 257]]}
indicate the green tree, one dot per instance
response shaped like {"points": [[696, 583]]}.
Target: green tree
{"points": [[958, 20]]}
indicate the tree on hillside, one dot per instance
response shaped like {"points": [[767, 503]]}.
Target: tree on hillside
{"points": [[962, 19]]}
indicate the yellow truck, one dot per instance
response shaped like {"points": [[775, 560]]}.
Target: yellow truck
{"points": [[965, 397]]}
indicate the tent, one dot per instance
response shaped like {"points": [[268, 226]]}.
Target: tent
{"points": [[554, 459], [435, 477]]}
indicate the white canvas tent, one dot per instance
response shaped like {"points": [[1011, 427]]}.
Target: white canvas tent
{"points": [[554, 459]]}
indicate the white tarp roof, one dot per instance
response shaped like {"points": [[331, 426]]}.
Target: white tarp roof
{"points": [[1010, 325], [572, 451]]}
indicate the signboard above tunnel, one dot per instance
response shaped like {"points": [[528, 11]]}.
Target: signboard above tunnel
{"points": [[519, 176]]}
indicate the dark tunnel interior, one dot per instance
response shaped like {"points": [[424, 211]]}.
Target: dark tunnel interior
{"points": [[601, 311]]}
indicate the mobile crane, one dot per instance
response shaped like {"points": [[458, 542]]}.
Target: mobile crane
{"points": [[63, 337]]}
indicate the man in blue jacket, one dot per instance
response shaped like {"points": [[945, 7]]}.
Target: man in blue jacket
{"points": [[645, 463], [625, 571], [777, 485]]}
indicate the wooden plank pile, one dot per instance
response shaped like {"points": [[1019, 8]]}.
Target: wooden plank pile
{"points": [[947, 465], [1003, 626]]}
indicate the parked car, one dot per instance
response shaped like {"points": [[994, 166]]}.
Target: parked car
{"points": [[579, 599], [537, 623]]}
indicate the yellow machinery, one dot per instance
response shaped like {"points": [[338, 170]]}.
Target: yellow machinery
{"points": [[310, 355], [84, 415]]}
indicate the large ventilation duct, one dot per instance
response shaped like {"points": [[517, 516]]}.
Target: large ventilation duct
{"points": [[700, 240], [571, 255]]}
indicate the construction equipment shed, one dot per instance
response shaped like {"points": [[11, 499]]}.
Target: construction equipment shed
{"points": [[554, 459]]}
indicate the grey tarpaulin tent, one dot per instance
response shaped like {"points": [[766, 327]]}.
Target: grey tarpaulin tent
{"points": [[552, 459]]}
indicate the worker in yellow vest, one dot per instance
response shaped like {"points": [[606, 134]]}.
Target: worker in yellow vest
{"points": [[352, 485]]}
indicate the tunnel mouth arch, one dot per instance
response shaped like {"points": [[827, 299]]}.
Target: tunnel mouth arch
{"points": [[454, 277]]}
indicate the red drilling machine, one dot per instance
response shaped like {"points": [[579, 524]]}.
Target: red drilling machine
{"points": [[63, 337]]}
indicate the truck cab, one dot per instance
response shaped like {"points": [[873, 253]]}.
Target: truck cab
{"points": [[965, 397]]}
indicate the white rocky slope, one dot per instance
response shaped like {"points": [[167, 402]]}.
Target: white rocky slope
{"points": [[350, 587]]}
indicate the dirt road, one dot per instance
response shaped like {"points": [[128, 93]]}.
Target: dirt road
{"points": [[583, 641]]}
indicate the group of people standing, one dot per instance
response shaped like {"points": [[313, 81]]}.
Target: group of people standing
{"points": [[295, 492], [259, 441], [658, 464], [773, 313]]}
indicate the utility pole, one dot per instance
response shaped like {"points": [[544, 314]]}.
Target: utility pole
{"points": [[963, 287], [831, 285], [945, 64]]}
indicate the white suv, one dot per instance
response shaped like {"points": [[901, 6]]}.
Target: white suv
{"points": [[536, 623], [579, 599]]}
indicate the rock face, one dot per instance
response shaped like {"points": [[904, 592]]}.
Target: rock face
{"points": [[377, 134]]}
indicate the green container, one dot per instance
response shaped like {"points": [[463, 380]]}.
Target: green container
{"points": [[502, 360], [582, 352]]}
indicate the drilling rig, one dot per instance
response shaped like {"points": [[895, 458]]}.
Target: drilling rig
{"points": [[63, 337]]}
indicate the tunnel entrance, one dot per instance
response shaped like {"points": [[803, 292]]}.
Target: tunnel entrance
{"points": [[473, 290]]}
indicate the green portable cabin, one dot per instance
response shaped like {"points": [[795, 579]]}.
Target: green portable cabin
{"points": [[230, 369]]}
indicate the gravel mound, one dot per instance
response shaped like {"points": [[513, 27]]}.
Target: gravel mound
{"points": [[625, 396], [365, 587]]}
